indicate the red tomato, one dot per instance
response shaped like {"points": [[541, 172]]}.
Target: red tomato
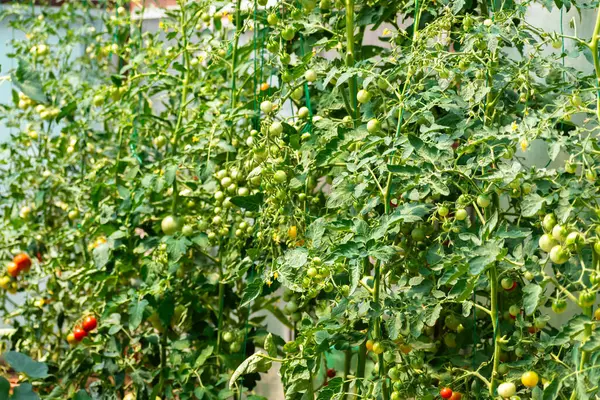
{"points": [[22, 261], [79, 334], [89, 323], [331, 373], [446, 393]]}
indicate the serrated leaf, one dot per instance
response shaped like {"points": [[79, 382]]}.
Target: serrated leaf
{"points": [[253, 290], [82, 395], [4, 388], [248, 366], [593, 343], [532, 203], [531, 298], [101, 255], [24, 392], [383, 253], [136, 313], [206, 352], [28, 81], [250, 203], [270, 346], [23, 363]]}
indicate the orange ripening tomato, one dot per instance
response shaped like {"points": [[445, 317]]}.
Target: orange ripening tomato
{"points": [[264, 87], [23, 262], [12, 269]]}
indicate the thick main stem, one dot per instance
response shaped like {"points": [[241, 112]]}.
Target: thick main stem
{"points": [[494, 315], [594, 48], [234, 53], [352, 86]]}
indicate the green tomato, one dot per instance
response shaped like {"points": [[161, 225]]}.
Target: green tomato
{"points": [[575, 239], [310, 75], [373, 126], [559, 306], [394, 374], [587, 298], [514, 310], [450, 340], [570, 167], [547, 242], [363, 96], [507, 389], [187, 230], [418, 234], [169, 225], [288, 33], [483, 201], [559, 255], [443, 211], [507, 283], [280, 176], [461, 214], [228, 337], [548, 222], [276, 128], [272, 19], [378, 348], [559, 233]]}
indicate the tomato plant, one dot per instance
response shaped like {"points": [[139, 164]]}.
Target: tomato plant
{"points": [[165, 190]]}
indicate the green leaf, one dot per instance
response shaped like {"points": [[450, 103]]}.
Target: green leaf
{"points": [[24, 392], [207, 352], [28, 81], [82, 395], [383, 253], [270, 346], [199, 392], [250, 203], [23, 363], [101, 255], [253, 290], [136, 313], [177, 247], [248, 366], [4, 388], [532, 203], [593, 343], [531, 297]]}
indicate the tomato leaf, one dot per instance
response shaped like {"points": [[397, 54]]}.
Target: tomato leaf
{"points": [[136, 313], [206, 352], [23, 363], [82, 395], [24, 392], [28, 81], [531, 297], [248, 366], [270, 346], [593, 343], [532, 203], [250, 203], [4, 388], [253, 290]]}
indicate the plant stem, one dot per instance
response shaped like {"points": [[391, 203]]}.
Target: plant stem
{"points": [[494, 315], [347, 363], [184, 92], [360, 369], [352, 84], [234, 52], [593, 45]]}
